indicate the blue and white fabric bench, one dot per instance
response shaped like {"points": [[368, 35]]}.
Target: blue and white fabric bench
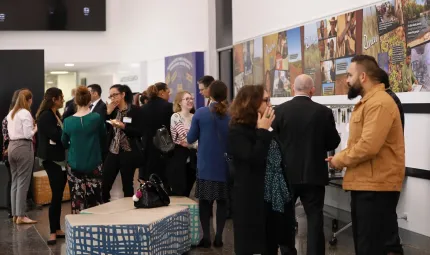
{"points": [[126, 204], [163, 230]]}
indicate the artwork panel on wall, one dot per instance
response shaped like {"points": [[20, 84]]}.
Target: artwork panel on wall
{"points": [[295, 46], [239, 67], [371, 45], [390, 16], [182, 72], [248, 57], [396, 33], [394, 44], [257, 63], [311, 63], [417, 17]]}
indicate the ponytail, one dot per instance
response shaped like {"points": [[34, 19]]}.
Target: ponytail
{"points": [[22, 102], [153, 90], [218, 92]]}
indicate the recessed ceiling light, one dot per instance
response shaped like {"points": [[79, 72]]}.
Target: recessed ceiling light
{"points": [[70, 64], [135, 65], [59, 72], [50, 82]]}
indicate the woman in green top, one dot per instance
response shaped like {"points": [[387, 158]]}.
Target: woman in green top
{"points": [[84, 135]]}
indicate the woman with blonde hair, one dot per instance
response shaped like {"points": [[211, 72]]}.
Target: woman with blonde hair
{"points": [[21, 129], [181, 169]]}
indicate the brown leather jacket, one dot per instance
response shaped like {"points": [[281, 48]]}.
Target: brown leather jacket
{"points": [[375, 157]]}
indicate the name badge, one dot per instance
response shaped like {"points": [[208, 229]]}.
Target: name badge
{"points": [[126, 120]]}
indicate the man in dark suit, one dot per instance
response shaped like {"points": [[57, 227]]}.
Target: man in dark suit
{"points": [[97, 105], [70, 108], [307, 131], [204, 84]]}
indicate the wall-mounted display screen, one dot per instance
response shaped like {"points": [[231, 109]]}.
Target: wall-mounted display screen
{"points": [[71, 15]]}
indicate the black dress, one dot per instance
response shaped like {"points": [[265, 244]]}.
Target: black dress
{"points": [[255, 223]]}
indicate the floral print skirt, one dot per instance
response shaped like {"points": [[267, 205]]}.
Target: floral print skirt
{"points": [[85, 189]]}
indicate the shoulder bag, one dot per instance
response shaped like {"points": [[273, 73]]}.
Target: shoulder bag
{"points": [[151, 194]]}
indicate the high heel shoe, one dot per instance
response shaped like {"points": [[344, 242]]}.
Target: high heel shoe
{"points": [[218, 242], [204, 244]]}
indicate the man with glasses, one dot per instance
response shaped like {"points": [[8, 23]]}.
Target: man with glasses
{"points": [[307, 132], [204, 84]]}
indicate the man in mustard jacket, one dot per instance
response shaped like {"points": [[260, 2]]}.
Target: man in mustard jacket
{"points": [[375, 161]]}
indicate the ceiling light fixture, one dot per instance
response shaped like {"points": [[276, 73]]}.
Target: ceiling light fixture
{"points": [[50, 82], [69, 64], [59, 72]]}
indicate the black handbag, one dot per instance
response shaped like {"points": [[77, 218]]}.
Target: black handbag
{"points": [[163, 141], [151, 194]]}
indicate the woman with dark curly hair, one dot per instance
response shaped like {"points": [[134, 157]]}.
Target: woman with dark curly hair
{"points": [[263, 211]]}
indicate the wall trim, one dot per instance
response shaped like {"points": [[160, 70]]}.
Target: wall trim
{"points": [[416, 108], [417, 173]]}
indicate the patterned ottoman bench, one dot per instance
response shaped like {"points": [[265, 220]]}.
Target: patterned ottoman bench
{"points": [[126, 204], [163, 230], [42, 190]]}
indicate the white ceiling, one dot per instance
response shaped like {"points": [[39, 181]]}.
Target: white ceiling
{"points": [[78, 66]]}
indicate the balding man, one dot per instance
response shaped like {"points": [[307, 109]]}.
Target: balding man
{"points": [[307, 131]]}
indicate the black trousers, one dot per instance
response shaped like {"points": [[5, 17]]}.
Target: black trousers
{"points": [[280, 230], [312, 198], [124, 162], [181, 183], [205, 209], [57, 180], [374, 222]]}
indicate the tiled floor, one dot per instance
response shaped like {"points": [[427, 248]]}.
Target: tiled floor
{"points": [[31, 239]]}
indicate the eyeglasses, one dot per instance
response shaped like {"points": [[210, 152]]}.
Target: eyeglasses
{"points": [[113, 95], [188, 99], [266, 100]]}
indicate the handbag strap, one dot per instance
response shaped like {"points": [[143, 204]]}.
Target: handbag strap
{"points": [[218, 134]]}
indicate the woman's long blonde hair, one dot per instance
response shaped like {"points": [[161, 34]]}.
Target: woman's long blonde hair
{"points": [[22, 101], [178, 100]]}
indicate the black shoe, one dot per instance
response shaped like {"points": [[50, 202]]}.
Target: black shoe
{"points": [[218, 242], [9, 215], [51, 242], [204, 244]]}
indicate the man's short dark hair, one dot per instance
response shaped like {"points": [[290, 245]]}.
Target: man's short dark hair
{"points": [[96, 88], [371, 67], [206, 80]]}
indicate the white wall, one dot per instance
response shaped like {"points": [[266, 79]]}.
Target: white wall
{"points": [[67, 82], [283, 14], [252, 18]]}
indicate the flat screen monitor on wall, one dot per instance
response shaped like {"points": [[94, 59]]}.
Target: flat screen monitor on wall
{"points": [[43, 15]]}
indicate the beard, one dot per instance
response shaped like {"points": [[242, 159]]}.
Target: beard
{"points": [[354, 91]]}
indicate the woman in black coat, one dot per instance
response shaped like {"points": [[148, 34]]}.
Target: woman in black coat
{"points": [[156, 114], [124, 132], [263, 211]]}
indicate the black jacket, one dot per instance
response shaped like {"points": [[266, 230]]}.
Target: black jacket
{"points": [[307, 131], [249, 147], [132, 130], [48, 130], [156, 113], [101, 109], [70, 109], [399, 105]]}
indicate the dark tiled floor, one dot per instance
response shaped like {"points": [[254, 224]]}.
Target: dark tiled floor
{"points": [[30, 240]]}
